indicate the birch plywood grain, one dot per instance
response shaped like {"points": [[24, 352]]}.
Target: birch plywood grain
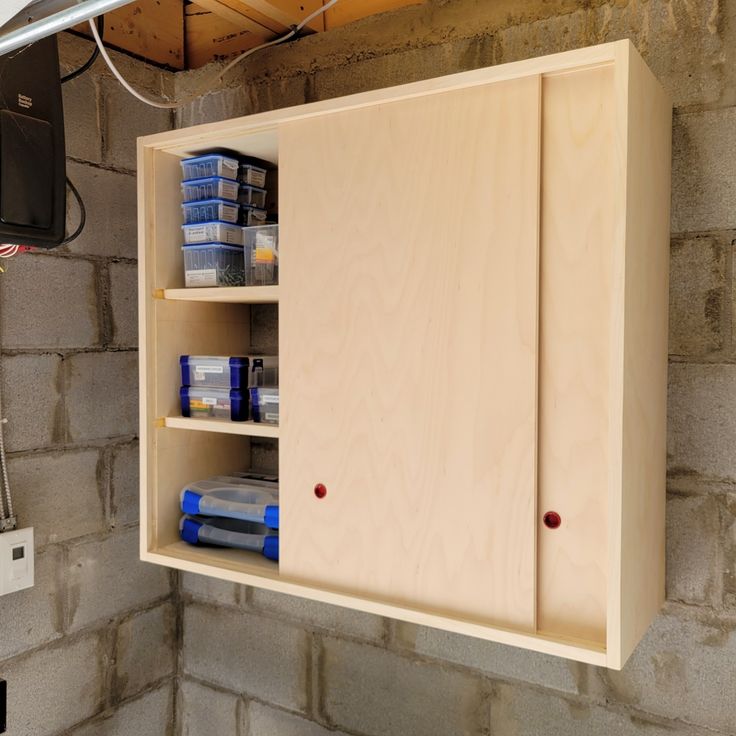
{"points": [[576, 339], [637, 529], [408, 326]]}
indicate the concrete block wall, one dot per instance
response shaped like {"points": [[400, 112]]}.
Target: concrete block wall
{"points": [[90, 649], [255, 663]]}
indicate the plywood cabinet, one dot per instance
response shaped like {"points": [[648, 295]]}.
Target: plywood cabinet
{"points": [[473, 343]]}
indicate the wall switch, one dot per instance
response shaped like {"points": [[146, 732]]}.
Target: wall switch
{"points": [[16, 560]]}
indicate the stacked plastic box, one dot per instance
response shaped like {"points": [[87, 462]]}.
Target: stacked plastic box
{"points": [[231, 388], [239, 511], [226, 239]]}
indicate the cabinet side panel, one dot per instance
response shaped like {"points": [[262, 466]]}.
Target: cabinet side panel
{"points": [[408, 329], [576, 260], [642, 533]]}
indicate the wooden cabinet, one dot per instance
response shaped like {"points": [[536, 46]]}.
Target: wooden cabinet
{"points": [[473, 347]]}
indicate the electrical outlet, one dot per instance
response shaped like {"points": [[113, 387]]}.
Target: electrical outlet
{"points": [[16, 560]]}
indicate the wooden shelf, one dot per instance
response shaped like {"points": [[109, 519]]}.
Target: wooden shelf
{"points": [[247, 429], [230, 294]]}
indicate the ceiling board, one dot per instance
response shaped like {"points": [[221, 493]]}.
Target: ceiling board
{"points": [[152, 29]]}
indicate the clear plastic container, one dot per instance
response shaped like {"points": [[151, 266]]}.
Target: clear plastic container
{"points": [[234, 500], [264, 242], [263, 371], [211, 164], [213, 232], [218, 371], [215, 264], [252, 215], [233, 533], [250, 174], [254, 196], [213, 187], [210, 209], [214, 403], [264, 405]]}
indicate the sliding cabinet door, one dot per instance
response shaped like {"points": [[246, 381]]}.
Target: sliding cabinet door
{"points": [[408, 329]]}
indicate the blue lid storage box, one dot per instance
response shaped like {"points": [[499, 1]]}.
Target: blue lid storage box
{"points": [[213, 187], [224, 371], [232, 533], [208, 210], [264, 404], [213, 232], [214, 403], [216, 264], [211, 164]]}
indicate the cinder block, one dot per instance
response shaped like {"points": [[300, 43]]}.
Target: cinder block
{"points": [[541, 37], [205, 588], [124, 303], [54, 688], [341, 621], [204, 711], [524, 712], [728, 534], [146, 650], [694, 568], [150, 715], [255, 656], [264, 328], [36, 308], [266, 721], [495, 660], [701, 430], [273, 94], [703, 188], [32, 401], [371, 690], [102, 395], [403, 67], [211, 107], [683, 669], [125, 487], [82, 118], [106, 578], [110, 200], [698, 296], [126, 118], [33, 616], [58, 494]]}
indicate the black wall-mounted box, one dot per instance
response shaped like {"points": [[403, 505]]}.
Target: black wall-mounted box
{"points": [[32, 155]]}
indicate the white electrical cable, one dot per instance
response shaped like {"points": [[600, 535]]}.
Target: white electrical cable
{"points": [[208, 85]]}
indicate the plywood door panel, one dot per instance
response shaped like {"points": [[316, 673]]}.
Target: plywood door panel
{"points": [[576, 342], [408, 338]]}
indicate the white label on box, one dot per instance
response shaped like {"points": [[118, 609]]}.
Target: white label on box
{"points": [[208, 368], [269, 399], [203, 277], [270, 417], [210, 402]]}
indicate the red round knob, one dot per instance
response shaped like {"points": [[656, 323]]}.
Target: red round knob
{"points": [[320, 490], [552, 520]]}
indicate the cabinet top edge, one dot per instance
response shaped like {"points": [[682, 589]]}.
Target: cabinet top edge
{"points": [[177, 141]]}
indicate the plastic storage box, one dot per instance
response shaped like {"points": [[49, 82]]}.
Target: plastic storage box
{"points": [[229, 533], [231, 500], [224, 371], [213, 187], [214, 403], [252, 215], [213, 232], [215, 264], [250, 174], [264, 405], [212, 164], [210, 209], [264, 241], [254, 196]]}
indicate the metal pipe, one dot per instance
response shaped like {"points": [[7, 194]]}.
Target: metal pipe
{"points": [[46, 17]]}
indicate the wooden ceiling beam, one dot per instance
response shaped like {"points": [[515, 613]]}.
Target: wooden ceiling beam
{"points": [[242, 16]]}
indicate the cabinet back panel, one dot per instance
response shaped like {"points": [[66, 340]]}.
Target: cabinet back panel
{"points": [[408, 342], [576, 333]]}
